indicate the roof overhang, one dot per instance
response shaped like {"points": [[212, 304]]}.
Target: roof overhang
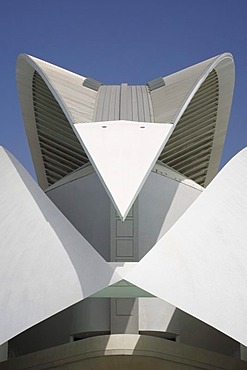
{"points": [[199, 159], [202, 165]]}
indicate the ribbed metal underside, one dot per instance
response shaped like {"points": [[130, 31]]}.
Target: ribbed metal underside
{"points": [[60, 148], [189, 147], [123, 102], [187, 151]]}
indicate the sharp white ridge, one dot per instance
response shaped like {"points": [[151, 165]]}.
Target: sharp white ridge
{"points": [[46, 265], [199, 266], [123, 153]]}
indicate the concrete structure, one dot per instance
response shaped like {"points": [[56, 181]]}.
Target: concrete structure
{"points": [[130, 252]]}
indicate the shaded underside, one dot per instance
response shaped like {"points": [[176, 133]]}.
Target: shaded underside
{"points": [[188, 150]]}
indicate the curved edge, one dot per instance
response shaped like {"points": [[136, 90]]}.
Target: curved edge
{"points": [[199, 81], [36, 64], [225, 69], [24, 76], [46, 265], [224, 66], [25, 68], [122, 351], [221, 254]]}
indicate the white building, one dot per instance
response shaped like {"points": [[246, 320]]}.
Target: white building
{"points": [[131, 251]]}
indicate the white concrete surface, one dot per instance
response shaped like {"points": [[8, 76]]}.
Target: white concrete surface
{"points": [[128, 351], [199, 265], [123, 154], [171, 101], [45, 265]]}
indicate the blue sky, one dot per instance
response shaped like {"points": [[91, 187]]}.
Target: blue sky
{"points": [[120, 41]]}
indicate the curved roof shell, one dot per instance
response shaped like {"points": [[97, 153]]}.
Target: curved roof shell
{"points": [[199, 265], [46, 265], [196, 101]]}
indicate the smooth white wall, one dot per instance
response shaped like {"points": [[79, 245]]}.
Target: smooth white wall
{"points": [[161, 202], [87, 206], [158, 315], [91, 314]]}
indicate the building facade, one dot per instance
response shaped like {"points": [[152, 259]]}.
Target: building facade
{"points": [[129, 253]]}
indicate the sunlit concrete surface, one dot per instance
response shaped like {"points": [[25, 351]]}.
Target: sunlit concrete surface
{"points": [[124, 352], [130, 252]]}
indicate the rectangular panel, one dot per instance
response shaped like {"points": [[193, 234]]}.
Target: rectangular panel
{"points": [[124, 229], [125, 248]]}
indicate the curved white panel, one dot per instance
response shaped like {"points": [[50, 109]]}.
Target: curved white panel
{"points": [[76, 100], [169, 103], [178, 103], [45, 264], [168, 100], [200, 264], [123, 153]]}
